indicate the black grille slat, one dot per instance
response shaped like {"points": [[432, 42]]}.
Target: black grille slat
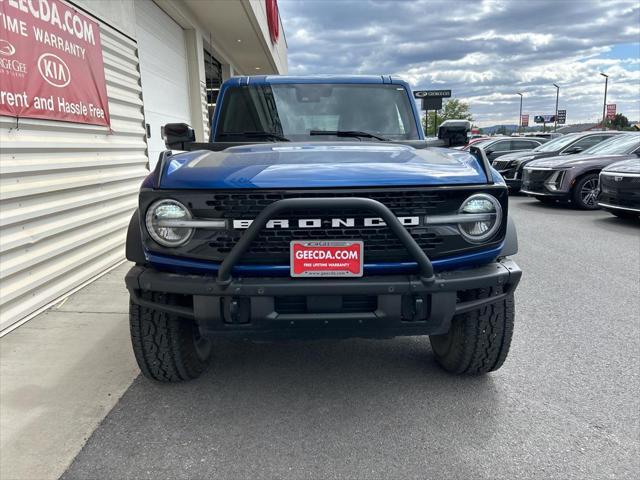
{"points": [[402, 203], [376, 240]]}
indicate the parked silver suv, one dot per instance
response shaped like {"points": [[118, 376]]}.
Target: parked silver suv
{"points": [[575, 177]]}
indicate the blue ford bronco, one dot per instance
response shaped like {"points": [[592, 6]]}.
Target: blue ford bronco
{"points": [[318, 210]]}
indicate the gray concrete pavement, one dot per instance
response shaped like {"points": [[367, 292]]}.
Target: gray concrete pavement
{"points": [[565, 405], [60, 374]]}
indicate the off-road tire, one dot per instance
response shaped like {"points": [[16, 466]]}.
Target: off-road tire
{"points": [[576, 194], [478, 341], [168, 348]]}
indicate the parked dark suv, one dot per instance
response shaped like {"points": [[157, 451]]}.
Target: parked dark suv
{"points": [[505, 145], [510, 166], [620, 188]]}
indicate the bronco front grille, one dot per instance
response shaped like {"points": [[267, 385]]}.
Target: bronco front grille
{"points": [[247, 205], [380, 244]]}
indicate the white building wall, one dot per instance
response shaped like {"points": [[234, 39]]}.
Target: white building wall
{"points": [[67, 191]]}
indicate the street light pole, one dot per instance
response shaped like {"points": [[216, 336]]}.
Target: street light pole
{"points": [[520, 117], [604, 106], [555, 122]]}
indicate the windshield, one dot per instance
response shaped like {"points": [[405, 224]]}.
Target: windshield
{"points": [[618, 145], [555, 144], [294, 110]]}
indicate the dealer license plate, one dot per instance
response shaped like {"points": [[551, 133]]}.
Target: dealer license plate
{"points": [[326, 258]]}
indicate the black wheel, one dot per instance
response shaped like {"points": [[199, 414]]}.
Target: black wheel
{"points": [[478, 341], [167, 348], [585, 192]]}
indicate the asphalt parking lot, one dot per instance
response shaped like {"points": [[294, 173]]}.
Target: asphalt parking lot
{"points": [[565, 404]]}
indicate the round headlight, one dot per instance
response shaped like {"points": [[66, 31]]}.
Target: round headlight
{"points": [[163, 221], [484, 217]]}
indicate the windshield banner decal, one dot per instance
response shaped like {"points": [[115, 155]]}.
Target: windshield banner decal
{"points": [[51, 64]]}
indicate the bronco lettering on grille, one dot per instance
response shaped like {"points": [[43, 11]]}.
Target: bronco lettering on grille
{"points": [[335, 222]]}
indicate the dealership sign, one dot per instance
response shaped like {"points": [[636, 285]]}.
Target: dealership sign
{"points": [[524, 120], [544, 118], [432, 93], [611, 111], [562, 117], [51, 63]]}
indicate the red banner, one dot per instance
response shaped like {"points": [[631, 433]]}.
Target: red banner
{"points": [[51, 63], [611, 111], [273, 20], [524, 121]]}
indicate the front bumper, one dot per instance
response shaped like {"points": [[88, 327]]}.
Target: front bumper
{"points": [[617, 208], [534, 183], [555, 196], [372, 306], [514, 184], [619, 192], [511, 177], [511, 172]]}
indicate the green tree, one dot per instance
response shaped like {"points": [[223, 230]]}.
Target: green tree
{"points": [[620, 122], [453, 109]]}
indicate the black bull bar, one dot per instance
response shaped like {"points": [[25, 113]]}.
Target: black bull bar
{"points": [[236, 253]]}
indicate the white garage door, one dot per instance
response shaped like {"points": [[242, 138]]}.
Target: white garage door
{"points": [[163, 67]]}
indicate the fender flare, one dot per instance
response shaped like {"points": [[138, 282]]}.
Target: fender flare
{"points": [[133, 250], [510, 239]]}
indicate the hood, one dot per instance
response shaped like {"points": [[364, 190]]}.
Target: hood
{"points": [[569, 161], [631, 165], [320, 164]]}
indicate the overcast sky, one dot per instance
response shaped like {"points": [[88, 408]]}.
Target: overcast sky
{"points": [[484, 51]]}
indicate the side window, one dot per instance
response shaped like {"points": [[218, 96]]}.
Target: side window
{"points": [[589, 141], [501, 146], [523, 144]]}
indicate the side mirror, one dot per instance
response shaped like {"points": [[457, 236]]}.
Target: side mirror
{"points": [[177, 134], [573, 150], [488, 152]]}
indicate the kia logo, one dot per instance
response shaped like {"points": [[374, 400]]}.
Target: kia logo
{"points": [[54, 71], [6, 49]]}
